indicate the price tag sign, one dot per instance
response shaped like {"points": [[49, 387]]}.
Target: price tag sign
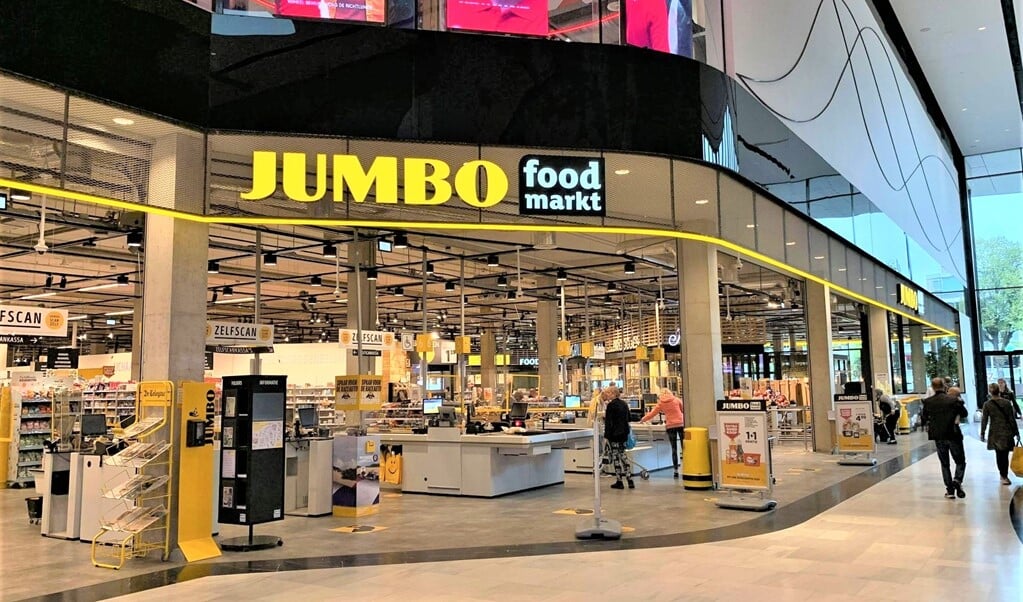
{"points": [[854, 425]]}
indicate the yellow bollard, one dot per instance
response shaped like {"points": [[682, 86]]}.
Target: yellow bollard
{"points": [[903, 425], [696, 459]]}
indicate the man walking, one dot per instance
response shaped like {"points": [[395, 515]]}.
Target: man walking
{"points": [[941, 415]]}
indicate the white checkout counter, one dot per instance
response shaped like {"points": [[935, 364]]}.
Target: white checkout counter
{"points": [[72, 487], [652, 451], [446, 462], [307, 476]]}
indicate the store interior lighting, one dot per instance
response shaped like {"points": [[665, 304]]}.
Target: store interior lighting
{"points": [[269, 258], [400, 241], [329, 251], [212, 267], [122, 280], [371, 274], [315, 280], [630, 267], [134, 239]]}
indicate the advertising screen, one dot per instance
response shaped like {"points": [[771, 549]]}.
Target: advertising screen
{"points": [[371, 11], [662, 25], [527, 17]]}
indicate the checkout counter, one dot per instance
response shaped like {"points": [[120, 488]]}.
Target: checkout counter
{"points": [[652, 451], [445, 461], [308, 460]]}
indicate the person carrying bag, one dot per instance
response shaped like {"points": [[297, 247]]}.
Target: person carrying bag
{"points": [[1003, 436]]}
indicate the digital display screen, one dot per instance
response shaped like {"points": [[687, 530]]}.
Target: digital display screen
{"points": [[527, 17], [635, 404], [432, 406], [94, 425], [665, 26], [573, 401], [369, 11], [3, 201], [385, 245], [307, 418], [267, 406]]}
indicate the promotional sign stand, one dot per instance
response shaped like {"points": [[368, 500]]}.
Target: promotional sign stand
{"points": [[598, 527], [744, 455], [252, 458], [854, 428]]}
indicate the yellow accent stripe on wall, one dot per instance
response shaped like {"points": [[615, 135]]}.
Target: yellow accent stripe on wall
{"points": [[228, 220]]}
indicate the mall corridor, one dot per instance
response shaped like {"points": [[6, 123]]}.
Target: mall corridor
{"points": [[898, 540]]}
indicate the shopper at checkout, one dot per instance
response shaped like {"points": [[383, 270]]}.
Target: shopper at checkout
{"points": [[674, 422], [616, 433]]}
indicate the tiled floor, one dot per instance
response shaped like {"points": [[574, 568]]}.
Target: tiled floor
{"points": [[898, 540], [422, 529]]}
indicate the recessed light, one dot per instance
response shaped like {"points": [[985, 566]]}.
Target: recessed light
{"points": [[622, 172], [982, 28], [124, 121], [790, 243], [842, 269], [925, 29], [963, 109], [702, 201], [751, 225], [818, 257]]}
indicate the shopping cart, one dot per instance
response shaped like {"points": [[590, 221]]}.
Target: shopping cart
{"points": [[644, 441]]}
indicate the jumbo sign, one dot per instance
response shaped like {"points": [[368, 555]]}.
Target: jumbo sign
{"points": [[549, 185]]}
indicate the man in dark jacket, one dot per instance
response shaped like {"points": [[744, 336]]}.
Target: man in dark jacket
{"points": [[941, 415], [616, 433]]}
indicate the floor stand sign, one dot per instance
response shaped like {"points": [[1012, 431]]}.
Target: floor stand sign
{"points": [[597, 527], [854, 428], [744, 455], [252, 458]]}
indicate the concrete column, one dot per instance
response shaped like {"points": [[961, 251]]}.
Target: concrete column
{"points": [[776, 343], [819, 354], [880, 349], [173, 334], [919, 365], [547, 337], [488, 360], [701, 331], [364, 303]]}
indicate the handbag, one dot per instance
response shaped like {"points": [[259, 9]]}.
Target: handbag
{"points": [[630, 441], [1016, 462]]}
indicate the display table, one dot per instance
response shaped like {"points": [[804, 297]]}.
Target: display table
{"points": [[307, 466], [447, 462], [652, 451]]}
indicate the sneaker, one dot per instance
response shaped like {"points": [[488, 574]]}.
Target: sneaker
{"points": [[949, 494], [632, 484], [1006, 481], [617, 485], [676, 474], [959, 491], [892, 442]]}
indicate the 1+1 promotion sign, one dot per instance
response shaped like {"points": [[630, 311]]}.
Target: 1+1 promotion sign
{"points": [[742, 443], [549, 185]]}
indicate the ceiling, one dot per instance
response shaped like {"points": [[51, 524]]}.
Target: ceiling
{"points": [[964, 52]]}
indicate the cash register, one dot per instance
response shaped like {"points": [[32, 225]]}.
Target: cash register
{"points": [[307, 422]]}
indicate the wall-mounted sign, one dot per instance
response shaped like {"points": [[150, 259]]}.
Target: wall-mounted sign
{"points": [[529, 361], [13, 339], [239, 334], [908, 297], [554, 185], [33, 321], [64, 358]]}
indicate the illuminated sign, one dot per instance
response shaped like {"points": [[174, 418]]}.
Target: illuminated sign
{"points": [[239, 333], [33, 321], [908, 297], [561, 186], [425, 182]]}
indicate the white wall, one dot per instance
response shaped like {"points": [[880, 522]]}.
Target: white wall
{"points": [[303, 363], [120, 361]]}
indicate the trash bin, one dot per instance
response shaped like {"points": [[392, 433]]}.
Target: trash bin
{"points": [[696, 472], [35, 509]]}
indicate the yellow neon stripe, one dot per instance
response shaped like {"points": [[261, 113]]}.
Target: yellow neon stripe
{"points": [[228, 220]]}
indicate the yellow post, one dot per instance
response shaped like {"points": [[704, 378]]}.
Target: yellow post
{"points": [[696, 472], [195, 498], [6, 426]]}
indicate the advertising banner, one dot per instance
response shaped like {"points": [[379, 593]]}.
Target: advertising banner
{"points": [[527, 17], [742, 444], [239, 334], [33, 321], [368, 11], [358, 393], [854, 424], [665, 26], [355, 481]]}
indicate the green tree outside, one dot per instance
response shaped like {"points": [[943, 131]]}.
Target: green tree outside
{"points": [[1000, 267]]}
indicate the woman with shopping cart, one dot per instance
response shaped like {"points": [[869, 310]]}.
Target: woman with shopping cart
{"points": [[674, 422]]}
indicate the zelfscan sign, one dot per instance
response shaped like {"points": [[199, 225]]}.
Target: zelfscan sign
{"points": [[550, 185]]}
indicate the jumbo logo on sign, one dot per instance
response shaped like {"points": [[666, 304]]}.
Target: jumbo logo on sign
{"points": [[426, 181]]}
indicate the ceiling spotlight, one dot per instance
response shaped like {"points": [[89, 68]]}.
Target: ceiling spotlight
{"points": [[122, 280], [394, 318], [449, 286], [212, 267], [135, 238], [562, 275], [512, 295], [215, 296], [329, 251], [399, 291], [315, 281], [63, 282], [371, 274], [123, 121], [502, 281], [270, 258], [89, 243], [400, 241], [630, 267], [311, 300], [612, 287], [49, 280], [21, 195], [492, 261], [429, 267], [607, 299], [228, 291]]}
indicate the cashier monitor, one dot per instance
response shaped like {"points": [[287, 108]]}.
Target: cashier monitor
{"points": [[93, 425], [432, 406], [573, 401], [307, 420]]}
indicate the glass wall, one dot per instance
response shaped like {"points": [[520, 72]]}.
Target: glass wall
{"points": [[995, 185]]}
